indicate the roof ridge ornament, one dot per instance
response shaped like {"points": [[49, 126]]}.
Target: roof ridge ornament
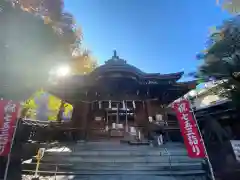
{"points": [[115, 59], [115, 55]]}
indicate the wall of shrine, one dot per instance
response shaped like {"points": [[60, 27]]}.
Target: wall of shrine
{"points": [[80, 116], [154, 107]]}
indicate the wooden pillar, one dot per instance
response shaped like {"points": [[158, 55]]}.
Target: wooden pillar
{"points": [[141, 117], [80, 118], [148, 108], [60, 112], [154, 108]]}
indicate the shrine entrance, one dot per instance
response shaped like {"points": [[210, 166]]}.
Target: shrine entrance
{"points": [[115, 121], [120, 120]]}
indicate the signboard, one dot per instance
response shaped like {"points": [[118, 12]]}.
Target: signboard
{"points": [[236, 148], [39, 156], [189, 130], [97, 118], [8, 117], [40, 153]]}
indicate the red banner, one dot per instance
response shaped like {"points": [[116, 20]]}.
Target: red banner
{"points": [[189, 130], [8, 118]]}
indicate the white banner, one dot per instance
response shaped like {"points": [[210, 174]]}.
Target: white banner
{"points": [[236, 148]]}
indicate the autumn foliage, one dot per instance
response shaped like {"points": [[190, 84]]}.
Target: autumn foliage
{"points": [[35, 35], [53, 14], [83, 63]]}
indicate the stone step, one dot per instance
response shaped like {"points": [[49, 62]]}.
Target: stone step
{"points": [[116, 177], [114, 159], [157, 152], [119, 172], [118, 145], [116, 166]]}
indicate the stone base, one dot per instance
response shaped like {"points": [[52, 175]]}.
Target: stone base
{"points": [[116, 133]]}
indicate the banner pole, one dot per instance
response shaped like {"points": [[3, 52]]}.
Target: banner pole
{"points": [[9, 154], [12, 142], [205, 149]]}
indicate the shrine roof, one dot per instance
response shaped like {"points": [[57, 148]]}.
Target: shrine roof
{"points": [[116, 64], [118, 77]]}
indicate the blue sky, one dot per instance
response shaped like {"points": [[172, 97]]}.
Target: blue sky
{"points": [[154, 35]]}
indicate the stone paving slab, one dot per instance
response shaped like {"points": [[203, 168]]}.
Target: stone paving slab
{"points": [[117, 166], [109, 177]]}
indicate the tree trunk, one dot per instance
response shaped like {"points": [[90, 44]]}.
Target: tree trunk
{"points": [[60, 112]]}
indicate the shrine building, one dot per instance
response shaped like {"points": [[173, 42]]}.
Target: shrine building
{"points": [[118, 99]]}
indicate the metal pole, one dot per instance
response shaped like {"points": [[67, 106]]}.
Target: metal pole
{"points": [[206, 154], [37, 168], [126, 118], [107, 124], [117, 113], [9, 155], [107, 116]]}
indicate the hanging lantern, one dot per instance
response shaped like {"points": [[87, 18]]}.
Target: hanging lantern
{"points": [[109, 104], [124, 105], [150, 119], [134, 105]]}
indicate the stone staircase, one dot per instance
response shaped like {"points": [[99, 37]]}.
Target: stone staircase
{"points": [[115, 161]]}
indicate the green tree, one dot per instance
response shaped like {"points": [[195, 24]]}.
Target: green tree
{"points": [[30, 45], [232, 6], [35, 36], [221, 59], [83, 62]]}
